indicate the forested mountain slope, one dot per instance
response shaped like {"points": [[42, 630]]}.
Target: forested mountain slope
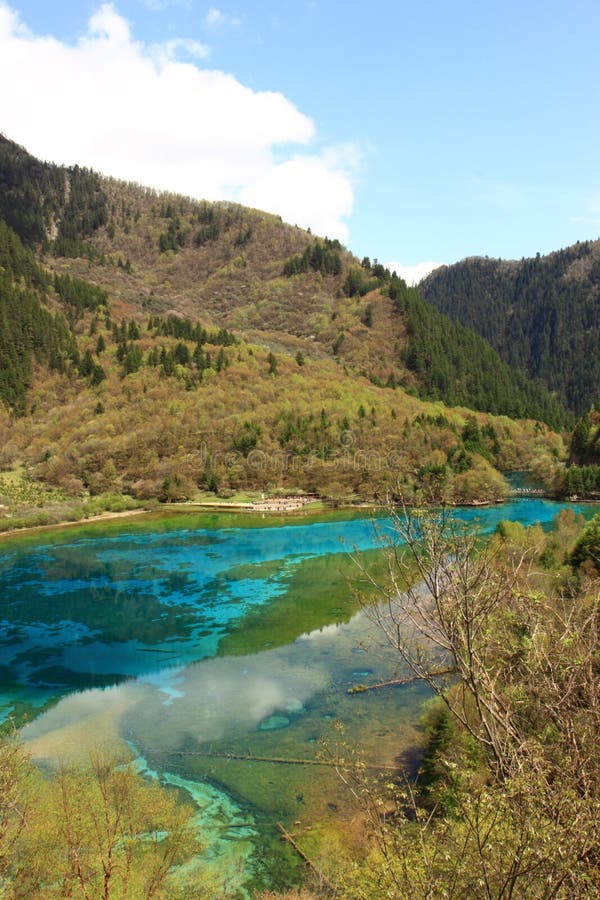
{"points": [[49, 205], [30, 332], [541, 314], [155, 346], [161, 407], [238, 268]]}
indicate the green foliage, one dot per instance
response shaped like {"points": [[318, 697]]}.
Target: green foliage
{"points": [[243, 237], [31, 193], [187, 329], [582, 476], [81, 295], [95, 831], [585, 441], [19, 262], [355, 283], [18, 490], [367, 316], [175, 237], [176, 488], [36, 197], [510, 758], [246, 438], [587, 548], [454, 364], [133, 331], [440, 733], [581, 481], [320, 256], [471, 435], [339, 340], [29, 332], [367, 277], [83, 213], [132, 360], [209, 217], [539, 314]]}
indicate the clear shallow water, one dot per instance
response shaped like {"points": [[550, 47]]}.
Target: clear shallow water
{"points": [[194, 645]]}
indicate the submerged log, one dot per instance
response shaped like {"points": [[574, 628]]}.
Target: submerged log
{"points": [[248, 757], [361, 688], [280, 760]]}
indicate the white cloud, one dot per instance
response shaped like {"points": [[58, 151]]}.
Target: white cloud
{"points": [[413, 274], [304, 191], [136, 112], [215, 18], [194, 48]]}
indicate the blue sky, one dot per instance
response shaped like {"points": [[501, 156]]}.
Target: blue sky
{"points": [[414, 132]]}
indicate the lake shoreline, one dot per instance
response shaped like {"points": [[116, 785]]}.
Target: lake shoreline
{"points": [[272, 509], [306, 511], [99, 517]]}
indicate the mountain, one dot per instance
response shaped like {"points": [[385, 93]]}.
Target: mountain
{"points": [[49, 205], [542, 315], [156, 346], [246, 270]]}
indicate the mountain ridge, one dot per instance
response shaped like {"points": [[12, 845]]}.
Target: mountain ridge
{"points": [[541, 314]]}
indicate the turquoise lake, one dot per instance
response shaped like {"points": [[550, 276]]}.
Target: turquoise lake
{"points": [[210, 651]]}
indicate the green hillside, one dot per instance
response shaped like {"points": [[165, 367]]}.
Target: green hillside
{"points": [[238, 268], [161, 347], [541, 314], [29, 332], [49, 205], [163, 408]]}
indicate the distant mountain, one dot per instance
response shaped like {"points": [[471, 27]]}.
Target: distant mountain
{"points": [[542, 315]]}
